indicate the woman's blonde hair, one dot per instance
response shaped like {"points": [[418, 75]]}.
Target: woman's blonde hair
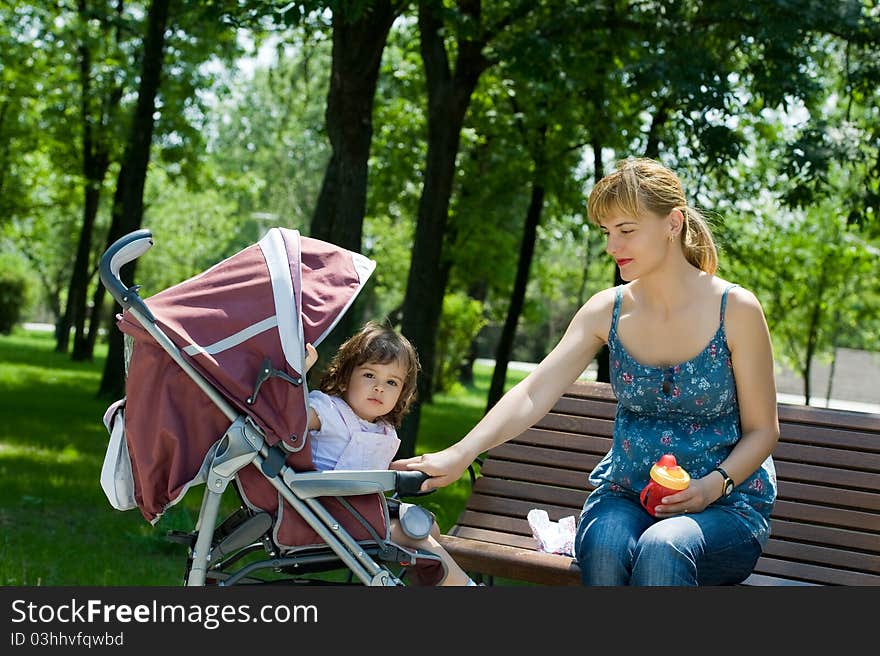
{"points": [[377, 344], [643, 185]]}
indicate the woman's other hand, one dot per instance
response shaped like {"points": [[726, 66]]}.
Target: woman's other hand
{"points": [[695, 498]]}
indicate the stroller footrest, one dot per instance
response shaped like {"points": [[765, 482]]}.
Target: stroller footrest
{"points": [[181, 537], [244, 534]]}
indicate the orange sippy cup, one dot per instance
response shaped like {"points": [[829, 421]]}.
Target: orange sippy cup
{"points": [[666, 478]]}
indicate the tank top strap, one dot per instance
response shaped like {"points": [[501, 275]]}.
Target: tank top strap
{"points": [[615, 313], [724, 302]]}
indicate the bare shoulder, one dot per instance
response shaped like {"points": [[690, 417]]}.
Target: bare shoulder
{"points": [[743, 302], [594, 316], [744, 317], [602, 300]]}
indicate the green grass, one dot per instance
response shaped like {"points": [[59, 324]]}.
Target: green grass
{"points": [[56, 526]]}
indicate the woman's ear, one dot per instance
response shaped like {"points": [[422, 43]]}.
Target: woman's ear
{"points": [[675, 221]]}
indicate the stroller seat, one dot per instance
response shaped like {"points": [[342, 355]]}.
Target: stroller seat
{"points": [[216, 395]]}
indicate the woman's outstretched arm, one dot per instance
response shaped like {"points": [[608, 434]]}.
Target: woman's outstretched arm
{"points": [[528, 401]]}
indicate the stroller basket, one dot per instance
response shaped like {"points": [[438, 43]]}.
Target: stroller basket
{"points": [[216, 394]]}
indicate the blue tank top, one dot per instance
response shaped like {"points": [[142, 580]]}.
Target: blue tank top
{"points": [[689, 410]]}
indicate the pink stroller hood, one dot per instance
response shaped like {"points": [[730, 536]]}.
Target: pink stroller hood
{"points": [[251, 313]]}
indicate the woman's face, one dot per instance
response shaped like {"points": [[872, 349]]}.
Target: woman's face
{"points": [[638, 244]]}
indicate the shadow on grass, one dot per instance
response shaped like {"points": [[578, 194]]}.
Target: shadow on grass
{"points": [[37, 349]]}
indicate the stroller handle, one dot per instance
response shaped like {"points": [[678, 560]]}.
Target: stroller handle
{"points": [[124, 250], [409, 483]]}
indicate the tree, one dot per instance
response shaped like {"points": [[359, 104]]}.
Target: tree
{"points": [[811, 271], [360, 31], [555, 129], [98, 112], [128, 202], [194, 28], [449, 92]]}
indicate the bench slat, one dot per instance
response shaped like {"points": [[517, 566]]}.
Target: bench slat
{"points": [[814, 573], [497, 537], [834, 419], [828, 457], [820, 555], [764, 580], [516, 508], [800, 444], [511, 562], [856, 440], [569, 404], [575, 424], [519, 471], [548, 496], [825, 476], [831, 536], [533, 492], [854, 430], [802, 512], [545, 456], [579, 442], [791, 490], [504, 524]]}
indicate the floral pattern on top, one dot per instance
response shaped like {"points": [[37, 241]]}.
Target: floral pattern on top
{"points": [[689, 410]]}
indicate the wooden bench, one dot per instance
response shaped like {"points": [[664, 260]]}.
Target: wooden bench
{"points": [[825, 526]]}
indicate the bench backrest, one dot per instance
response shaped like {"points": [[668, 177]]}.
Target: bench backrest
{"points": [[825, 524]]}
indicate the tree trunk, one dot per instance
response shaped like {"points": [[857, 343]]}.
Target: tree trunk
{"points": [[517, 298], [603, 364], [828, 387], [77, 290], [660, 117], [94, 168], [128, 201], [449, 95], [357, 55], [339, 213], [477, 291], [96, 317], [813, 329]]}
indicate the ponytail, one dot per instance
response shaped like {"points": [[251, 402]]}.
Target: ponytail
{"points": [[697, 242]]}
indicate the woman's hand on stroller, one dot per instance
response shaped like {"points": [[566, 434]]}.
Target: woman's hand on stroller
{"points": [[443, 467]]}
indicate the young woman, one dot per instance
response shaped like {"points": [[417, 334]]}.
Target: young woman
{"points": [[692, 369]]}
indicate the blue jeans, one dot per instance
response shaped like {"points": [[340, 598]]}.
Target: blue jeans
{"points": [[619, 543]]}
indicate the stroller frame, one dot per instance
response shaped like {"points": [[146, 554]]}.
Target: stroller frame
{"points": [[244, 444]]}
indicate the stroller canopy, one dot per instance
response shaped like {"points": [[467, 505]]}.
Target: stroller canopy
{"points": [[248, 315]]}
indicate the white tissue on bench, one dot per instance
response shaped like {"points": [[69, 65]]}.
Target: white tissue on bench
{"points": [[552, 537]]}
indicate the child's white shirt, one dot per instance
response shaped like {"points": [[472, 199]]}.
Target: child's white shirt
{"points": [[345, 441]]}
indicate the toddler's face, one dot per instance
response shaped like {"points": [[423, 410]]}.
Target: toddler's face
{"points": [[374, 388]]}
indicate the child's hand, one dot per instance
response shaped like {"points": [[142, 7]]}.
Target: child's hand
{"points": [[311, 356]]}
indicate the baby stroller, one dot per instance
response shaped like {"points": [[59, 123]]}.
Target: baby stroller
{"points": [[216, 395]]}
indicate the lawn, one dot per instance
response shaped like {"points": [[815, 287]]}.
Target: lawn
{"points": [[56, 526]]}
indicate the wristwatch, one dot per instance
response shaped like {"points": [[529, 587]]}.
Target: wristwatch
{"points": [[728, 482]]}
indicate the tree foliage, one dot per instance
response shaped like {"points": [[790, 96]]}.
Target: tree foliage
{"points": [[490, 122]]}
